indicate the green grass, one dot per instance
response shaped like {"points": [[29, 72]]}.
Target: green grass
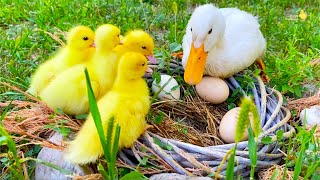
{"points": [[291, 42]]}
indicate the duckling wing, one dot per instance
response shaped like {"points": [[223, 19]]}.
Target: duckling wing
{"points": [[68, 91]]}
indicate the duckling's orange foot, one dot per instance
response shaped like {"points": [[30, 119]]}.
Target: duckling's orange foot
{"points": [[177, 54], [263, 75], [148, 127]]}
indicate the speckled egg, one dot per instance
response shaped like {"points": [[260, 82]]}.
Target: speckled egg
{"points": [[213, 90], [170, 92]]}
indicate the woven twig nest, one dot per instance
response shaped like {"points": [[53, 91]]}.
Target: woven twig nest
{"points": [[189, 159], [167, 147]]}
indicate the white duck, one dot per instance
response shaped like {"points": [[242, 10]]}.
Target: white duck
{"points": [[220, 43]]}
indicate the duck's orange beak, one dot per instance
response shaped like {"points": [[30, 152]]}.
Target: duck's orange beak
{"points": [[195, 65]]}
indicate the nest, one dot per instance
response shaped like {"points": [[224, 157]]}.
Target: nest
{"points": [[186, 141], [304, 103]]}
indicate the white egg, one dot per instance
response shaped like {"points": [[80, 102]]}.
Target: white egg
{"points": [[171, 91], [213, 90], [228, 125], [310, 115]]}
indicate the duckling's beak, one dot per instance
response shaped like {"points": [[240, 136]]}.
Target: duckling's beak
{"points": [[93, 45], [121, 42], [195, 65], [149, 70], [152, 59]]}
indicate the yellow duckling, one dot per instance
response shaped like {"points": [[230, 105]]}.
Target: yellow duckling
{"points": [[68, 91], [128, 107], [137, 41], [79, 48]]}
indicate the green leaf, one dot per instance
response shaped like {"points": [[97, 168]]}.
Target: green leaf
{"points": [[230, 166], [157, 142], [312, 169], [157, 77], [81, 116], [252, 148], [174, 47], [144, 160], [252, 152], [275, 174], [169, 147], [53, 166], [279, 135], [3, 140], [266, 140], [96, 114], [103, 172], [298, 165], [158, 119], [109, 138], [175, 87], [4, 113], [133, 175]]}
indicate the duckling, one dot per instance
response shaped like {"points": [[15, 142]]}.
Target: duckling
{"points": [[79, 48], [68, 91], [137, 41], [128, 107]]}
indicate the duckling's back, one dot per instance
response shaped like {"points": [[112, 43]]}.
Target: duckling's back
{"points": [[129, 111]]}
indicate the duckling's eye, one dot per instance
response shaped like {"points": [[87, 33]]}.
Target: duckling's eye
{"points": [[144, 47], [210, 31], [118, 35], [191, 29], [143, 64], [85, 38]]}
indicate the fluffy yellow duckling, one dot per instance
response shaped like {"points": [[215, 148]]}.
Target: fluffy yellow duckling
{"points": [[68, 91], [137, 41], [128, 106], [79, 48]]}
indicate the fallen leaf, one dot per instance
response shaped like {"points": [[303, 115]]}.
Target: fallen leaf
{"points": [[302, 15]]}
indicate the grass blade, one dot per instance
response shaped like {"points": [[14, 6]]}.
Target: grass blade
{"points": [[95, 114], [114, 152], [109, 138], [230, 166], [4, 113], [252, 152], [275, 174], [116, 143], [298, 166], [53, 166], [103, 172], [312, 169]]}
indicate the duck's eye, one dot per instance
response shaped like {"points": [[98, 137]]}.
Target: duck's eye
{"points": [[191, 29], [85, 38], [144, 47], [210, 31], [143, 64], [118, 35]]}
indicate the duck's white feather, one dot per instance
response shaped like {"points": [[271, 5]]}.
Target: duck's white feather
{"points": [[238, 46]]}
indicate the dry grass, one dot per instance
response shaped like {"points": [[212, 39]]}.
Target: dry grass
{"points": [[300, 104], [193, 121], [267, 174]]}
